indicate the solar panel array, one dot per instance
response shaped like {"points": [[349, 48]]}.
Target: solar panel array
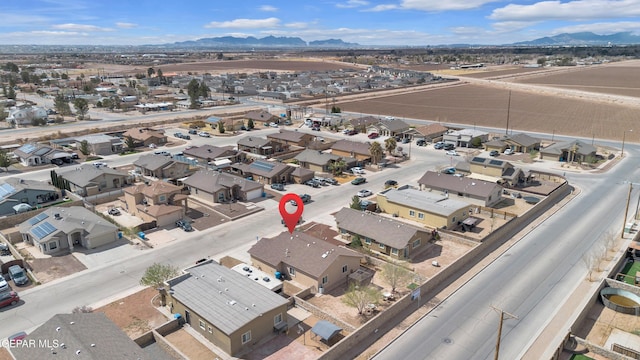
{"points": [[496, 162], [43, 230], [6, 189], [478, 159], [262, 166], [36, 219], [27, 148]]}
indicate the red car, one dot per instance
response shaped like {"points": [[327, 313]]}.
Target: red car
{"points": [[373, 135], [9, 298]]}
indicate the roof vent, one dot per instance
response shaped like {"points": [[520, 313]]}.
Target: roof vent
{"points": [[226, 289], [58, 329], [266, 279], [71, 323], [253, 305], [93, 345], [63, 345], [246, 308], [232, 302], [77, 352], [57, 216]]}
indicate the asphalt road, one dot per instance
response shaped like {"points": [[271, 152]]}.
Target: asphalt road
{"points": [[529, 281]]}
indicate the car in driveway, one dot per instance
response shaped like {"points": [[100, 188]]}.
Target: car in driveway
{"points": [[193, 131], [494, 153], [364, 193], [439, 145], [18, 275], [373, 135], [390, 183], [9, 298], [312, 183], [4, 285], [162, 152], [184, 225], [421, 142], [359, 180], [277, 186], [114, 211], [204, 134], [15, 339], [452, 153], [304, 197], [357, 170], [331, 181], [508, 152], [449, 171], [449, 146], [351, 132]]}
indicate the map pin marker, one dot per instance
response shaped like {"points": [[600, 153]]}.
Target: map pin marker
{"points": [[291, 219]]}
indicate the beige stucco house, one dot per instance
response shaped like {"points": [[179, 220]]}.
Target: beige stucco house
{"points": [[156, 201]]}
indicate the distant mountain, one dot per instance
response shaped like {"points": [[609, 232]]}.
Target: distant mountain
{"points": [[584, 38], [269, 41]]}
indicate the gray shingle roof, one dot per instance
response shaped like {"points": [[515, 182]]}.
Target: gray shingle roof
{"points": [[86, 174], [558, 148], [454, 184], [316, 157], [78, 332], [286, 135], [394, 125], [210, 152], [224, 297], [304, 252], [351, 146], [524, 139], [71, 219], [384, 230], [212, 181], [423, 200], [152, 161], [254, 142]]}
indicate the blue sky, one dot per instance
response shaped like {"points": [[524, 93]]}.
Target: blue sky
{"points": [[391, 22]]}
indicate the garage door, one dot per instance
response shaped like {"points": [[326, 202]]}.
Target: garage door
{"points": [[254, 194]]}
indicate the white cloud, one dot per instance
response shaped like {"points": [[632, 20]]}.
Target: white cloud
{"points": [[13, 19], [296, 25], [268, 8], [352, 4], [126, 25], [245, 24], [571, 11], [603, 28], [80, 27], [383, 8], [443, 5]]}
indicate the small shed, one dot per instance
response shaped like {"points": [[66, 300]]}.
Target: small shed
{"points": [[326, 330]]}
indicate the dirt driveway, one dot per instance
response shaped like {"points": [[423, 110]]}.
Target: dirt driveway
{"points": [[189, 346], [55, 267]]}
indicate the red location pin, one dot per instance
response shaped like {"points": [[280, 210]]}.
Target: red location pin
{"points": [[291, 220]]}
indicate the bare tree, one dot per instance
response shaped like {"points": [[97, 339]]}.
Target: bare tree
{"points": [[589, 260], [395, 275], [360, 297], [610, 240], [600, 253]]}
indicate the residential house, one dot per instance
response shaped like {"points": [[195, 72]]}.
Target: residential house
{"points": [[90, 336], [518, 143], [301, 175], [89, 180], [14, 191], [472, 191], [389, 127], [464, 137], [382, 234], [260, 117], [23, 116], [228, 309], [430, 133], [569, 151], [161, 167], [157, 201], [258, 146], [428, 208], [33, 154], [361, 124], [217, 187], [287, 138], [497, 171], [306, 260], [146, 137], [59, 229], [209, 153], [317, 160], [101, 144], [352, 149], [265, 172]]}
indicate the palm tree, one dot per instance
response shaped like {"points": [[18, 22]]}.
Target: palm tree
{"points": [[390, 144], [337, 166], [375, 150]]}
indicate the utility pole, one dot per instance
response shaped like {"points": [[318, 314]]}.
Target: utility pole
{"points": [[508, 113], [502, 314], [626, 210]]}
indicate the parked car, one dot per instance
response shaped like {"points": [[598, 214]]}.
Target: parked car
{"points": [[4, 248], [204, 134], [390, 183], [15, 338], [406, 140], [304, 197], [452, 153], [373, 135], [193, 131], [114, 211], [320, 181], [358, 181], [18, 275], [315, 128], [162, 152], [364, 193], [184, 225], [4, 285], [277, 186], [99, 164], [508, 152], [74, 155], [178, 135], [152, 146], [331, 181], [357, 170], [352, 132], [494, 153], [449, 171], [312, 183], [9, 298], [449, 146], [273, 125], [421, 142]]}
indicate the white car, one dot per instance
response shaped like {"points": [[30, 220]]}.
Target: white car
{"points": [[357, 170], [99, 164], [508, 152], [273, 125], [452, 153], [204, 134], [364, 193], [4, 286]]}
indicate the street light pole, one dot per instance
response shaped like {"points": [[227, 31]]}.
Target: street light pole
{"points": [[502, 314], [624, 133]]}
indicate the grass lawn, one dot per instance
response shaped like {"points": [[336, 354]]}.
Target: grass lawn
{"points": [[580, 357], [630, 269]]}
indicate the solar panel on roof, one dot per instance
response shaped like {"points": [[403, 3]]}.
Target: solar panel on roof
{"points": [[496, 162], [43, 230], [263, 166], [477, 159], [27, 148], [6, 189], [36, 219]]}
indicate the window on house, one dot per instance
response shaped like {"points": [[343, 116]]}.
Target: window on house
{"points": [[381, 246], [453, 220], [210, 330], [53, 245], [367, 241], [420, 216], [416, 243], [202, 324], [292, 271], [412, 213], [325, 279], [246, 337], [344, 268], [394, 251], [277, 319], [162, 198]]}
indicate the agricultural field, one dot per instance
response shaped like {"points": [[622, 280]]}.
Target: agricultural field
{"points": [[255, 65], [491, 72], [616, 79], [487, 106]]}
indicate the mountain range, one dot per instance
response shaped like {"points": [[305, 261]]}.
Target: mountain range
{"points": [[583, 38], [269, 41]]}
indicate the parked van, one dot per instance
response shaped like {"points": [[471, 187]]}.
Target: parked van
{"points": [[18, 275]]}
